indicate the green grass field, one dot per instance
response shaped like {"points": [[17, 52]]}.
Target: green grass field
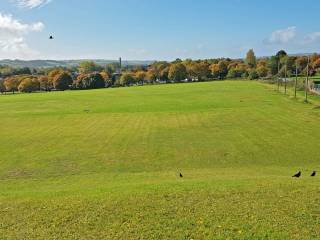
{"points": [[112, 172]]}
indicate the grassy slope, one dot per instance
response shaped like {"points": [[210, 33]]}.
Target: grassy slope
{"points": [[112, 172]]}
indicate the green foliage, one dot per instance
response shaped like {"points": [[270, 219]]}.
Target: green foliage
{"points": [[253, 74], [89, 67], [273, 65], [9, 71], [232, 73]]}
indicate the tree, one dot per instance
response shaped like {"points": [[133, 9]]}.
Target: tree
{"points": [[215, 70], [232, 73], [140, 77], [164, 74], [62, 81], [53, 73], [273, 65], [219, 70], [241, 69], [29, 84], [151, 76], [126, 79], [107, 78], [302, 63], [89, 67], [262, 71], [251, 59], [177, 72], [90, 81], [111, 68], [262, 63], [281, 54], [316, 64], [314, 57], [7, 71], [198, 70], [45, 84], [2, 86], [12, 83], [158, 67], [253, 74], [290, 62], [23, 71]]}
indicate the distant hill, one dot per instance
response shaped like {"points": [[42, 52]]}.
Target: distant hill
{"points": [[64, 63]]}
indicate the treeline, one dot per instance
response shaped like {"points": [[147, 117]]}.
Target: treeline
{"points": [[89, 75]]}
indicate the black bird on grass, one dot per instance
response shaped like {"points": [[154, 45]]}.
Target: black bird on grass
{"points": [[314, 174], [181, 175], [297, 175]]}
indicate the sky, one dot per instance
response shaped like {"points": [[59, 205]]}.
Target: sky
{"points": [[156, 29]]}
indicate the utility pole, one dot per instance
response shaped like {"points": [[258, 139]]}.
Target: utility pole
{"points": [[120, 65], [307, 81], [296, 82]]}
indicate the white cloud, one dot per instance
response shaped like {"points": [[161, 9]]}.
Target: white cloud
{"points": [[31, 3], [12, 37], [312, 37], [282, 36]]}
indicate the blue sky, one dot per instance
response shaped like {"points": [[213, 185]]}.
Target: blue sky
{"points": [[156, 29]]}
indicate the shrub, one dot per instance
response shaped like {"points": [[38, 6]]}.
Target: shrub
{"points": [[253, 74]]}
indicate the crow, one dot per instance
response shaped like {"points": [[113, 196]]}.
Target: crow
{"points": [[181, 175], [297, 175], [51, 37], [314, 174]]}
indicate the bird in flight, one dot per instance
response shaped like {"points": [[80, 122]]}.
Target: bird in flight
{"points": [[51, 37], [297, 175], [314, 174]]}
